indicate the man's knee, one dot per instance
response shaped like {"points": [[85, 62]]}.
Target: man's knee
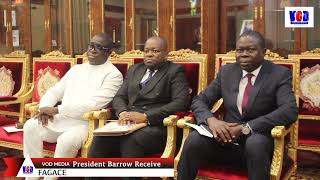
{"points": [[258, 145], [193, 142], [70, 141], [30, 126]]}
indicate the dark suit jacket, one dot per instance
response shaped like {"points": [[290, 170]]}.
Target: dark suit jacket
{"points": [[271, 102], [165, 93]]}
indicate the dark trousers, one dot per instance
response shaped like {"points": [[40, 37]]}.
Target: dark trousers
{"points": [[143, 142], [253, 152]]}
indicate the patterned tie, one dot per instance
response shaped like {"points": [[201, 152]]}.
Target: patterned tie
{"points": [[144, 83], [246, 93]]}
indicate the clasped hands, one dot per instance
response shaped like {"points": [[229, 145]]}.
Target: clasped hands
{"points": [[45, 114], [131, 116], [224, 132]]}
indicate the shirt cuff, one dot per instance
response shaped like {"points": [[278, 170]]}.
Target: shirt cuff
{"points": [[146, 118], [247, 124]]}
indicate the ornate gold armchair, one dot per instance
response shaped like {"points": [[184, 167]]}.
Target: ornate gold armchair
{"points": [[284, 138], [14, 83], [309, 105], [47, 70]]}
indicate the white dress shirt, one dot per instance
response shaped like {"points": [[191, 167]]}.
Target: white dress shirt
{"points": [[146, 75], [243, 83]]}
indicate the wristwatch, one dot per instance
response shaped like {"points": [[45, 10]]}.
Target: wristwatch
{"points": [[245, 129]]}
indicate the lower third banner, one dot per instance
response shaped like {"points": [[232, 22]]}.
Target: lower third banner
{"points": [[90, 167]]}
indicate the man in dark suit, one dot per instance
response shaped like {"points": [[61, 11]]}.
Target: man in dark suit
{"points": [[257, 96], [151, 91]]}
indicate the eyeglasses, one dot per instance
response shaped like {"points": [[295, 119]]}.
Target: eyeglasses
{"points": [[153, 51], [96, 47]]}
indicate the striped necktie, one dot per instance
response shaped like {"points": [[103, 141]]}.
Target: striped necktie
{"points": [[144, 83]]}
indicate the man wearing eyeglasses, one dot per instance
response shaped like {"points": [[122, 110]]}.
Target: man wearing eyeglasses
{"points": [[85, 87], [152, 90]]}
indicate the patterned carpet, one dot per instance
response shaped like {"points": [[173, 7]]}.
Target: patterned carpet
{"points": [[308, 164]]}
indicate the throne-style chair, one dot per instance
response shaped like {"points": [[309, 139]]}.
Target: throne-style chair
{"points": [[14, 83], [309, 100], [47, 70], [285, 138]]}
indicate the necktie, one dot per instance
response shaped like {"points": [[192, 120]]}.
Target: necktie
{"points": [[144, 83], [246, 93]]}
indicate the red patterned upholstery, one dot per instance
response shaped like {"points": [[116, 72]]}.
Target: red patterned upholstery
{"points": [[309, 124], [18, 66], [304, 63], [61, 67]]}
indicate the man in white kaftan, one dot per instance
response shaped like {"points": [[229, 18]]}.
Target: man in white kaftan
{"points": [[85, 87]]}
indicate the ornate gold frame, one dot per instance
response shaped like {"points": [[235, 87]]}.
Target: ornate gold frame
{"points": [[55, 56], [310, 55], [132, 54], [21, 94]]}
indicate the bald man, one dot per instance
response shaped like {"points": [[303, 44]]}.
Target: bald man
{"points": [[152, 90], [85, 87]]}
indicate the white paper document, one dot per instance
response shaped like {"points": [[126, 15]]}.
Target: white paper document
{"points": [[201, 130], [11, 129], [114, 127]]}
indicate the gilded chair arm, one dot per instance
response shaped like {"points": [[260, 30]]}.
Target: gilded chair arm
{"points": [[278, 133], [101, 115], [186, 119], [186, 132], [170, 122], [34, 110], [29, 105], [93, 117], [217, 105]]}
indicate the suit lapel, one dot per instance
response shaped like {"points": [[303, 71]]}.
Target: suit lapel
{"points": [[258, 84], [235, 88], [136, 82], [155, 79]]}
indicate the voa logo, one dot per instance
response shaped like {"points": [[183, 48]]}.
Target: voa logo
{"points": [[27, 169], [299, 17]]}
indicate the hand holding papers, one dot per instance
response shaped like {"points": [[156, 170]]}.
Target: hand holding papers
{"points": [[114, 129], [201, 130]]}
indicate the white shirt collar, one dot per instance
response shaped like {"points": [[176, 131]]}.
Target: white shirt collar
{"points": [[255, 72]]}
